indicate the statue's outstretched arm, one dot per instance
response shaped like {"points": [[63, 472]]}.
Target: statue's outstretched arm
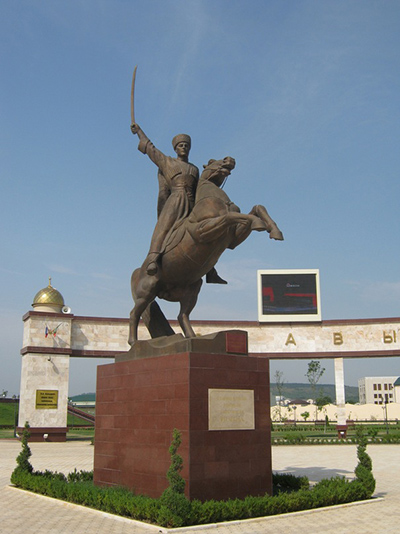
{"points": [[146, 147]]}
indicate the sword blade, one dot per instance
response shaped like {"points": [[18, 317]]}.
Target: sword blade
{"points": [[133, 96]]}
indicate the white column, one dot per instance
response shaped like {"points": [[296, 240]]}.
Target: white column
{"points": [[45, 375], [44, 372], [340, 395]]}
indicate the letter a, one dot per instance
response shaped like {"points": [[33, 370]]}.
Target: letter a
{"points": [[290, 340]]}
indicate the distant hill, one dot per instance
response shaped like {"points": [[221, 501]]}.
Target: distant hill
{"points": [[303, 391], [84, 397], [290, 391]]}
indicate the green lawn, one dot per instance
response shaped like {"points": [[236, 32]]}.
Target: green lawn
{"points": [[9, 416], [8, 412], [74, 434], [6, 433], [298, 433], [80, 434]]}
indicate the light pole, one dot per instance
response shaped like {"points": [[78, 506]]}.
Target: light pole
{"points": [[294, 411], [16, 401], [386, 418], [71, 404]]}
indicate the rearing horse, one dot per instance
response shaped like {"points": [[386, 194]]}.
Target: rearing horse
{"points": [[194, 247]]}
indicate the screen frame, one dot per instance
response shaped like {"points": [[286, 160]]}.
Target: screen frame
{"points": [[287, 317]]}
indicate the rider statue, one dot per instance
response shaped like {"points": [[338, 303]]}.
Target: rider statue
{"points": [[178, 180]]}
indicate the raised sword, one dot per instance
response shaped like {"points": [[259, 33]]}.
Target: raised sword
{"points": [[133, 97]]}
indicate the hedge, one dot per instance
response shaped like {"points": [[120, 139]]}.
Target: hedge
{"points": [[177, 510], [173, 509]]}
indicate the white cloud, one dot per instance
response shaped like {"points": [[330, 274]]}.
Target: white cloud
{"points": [[61, 269], [193, 18], [102, 276], [377, 291]]}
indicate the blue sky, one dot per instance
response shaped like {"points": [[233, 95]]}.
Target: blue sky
{"points": [[304, 95]]}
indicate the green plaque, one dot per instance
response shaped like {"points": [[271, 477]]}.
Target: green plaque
{"points": [[46, 399]]}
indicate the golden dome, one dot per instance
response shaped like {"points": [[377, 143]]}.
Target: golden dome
{"points": [[48, 296]]}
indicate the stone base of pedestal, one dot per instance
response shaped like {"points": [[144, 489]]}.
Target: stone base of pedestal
{"points": [[219, 402], [41, 434], [342, 431]]}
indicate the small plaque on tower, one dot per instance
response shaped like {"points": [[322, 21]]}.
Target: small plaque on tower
{"points": [[46, 399]]}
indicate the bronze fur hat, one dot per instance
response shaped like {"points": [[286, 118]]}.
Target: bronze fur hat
{"points": [[181, 137]]}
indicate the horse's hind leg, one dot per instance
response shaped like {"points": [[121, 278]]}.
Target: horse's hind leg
{"points": [[134, 319], [143, 294], [272, 228], [188, 301]]}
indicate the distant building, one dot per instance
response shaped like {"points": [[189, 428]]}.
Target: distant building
{"points": [[300, 402], [281, 401], [377, 389], [397, 391]]}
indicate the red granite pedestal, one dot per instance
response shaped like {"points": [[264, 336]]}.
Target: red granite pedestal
{"points": [[139, 403]]}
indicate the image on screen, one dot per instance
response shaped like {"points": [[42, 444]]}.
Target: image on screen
{"points": [[285, 294]]}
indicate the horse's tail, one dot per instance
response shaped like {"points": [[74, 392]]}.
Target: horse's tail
{"points": [[156, 322], [153, 318]]}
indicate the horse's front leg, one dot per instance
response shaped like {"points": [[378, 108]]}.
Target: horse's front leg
{"points": [[271, 226]]}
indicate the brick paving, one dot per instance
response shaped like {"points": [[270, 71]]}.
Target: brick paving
{"points": [[23, 512]]}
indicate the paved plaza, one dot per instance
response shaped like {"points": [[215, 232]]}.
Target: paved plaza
{"points": [[23, 512]]}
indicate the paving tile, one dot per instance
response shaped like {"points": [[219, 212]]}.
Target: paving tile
{"points": [[22, 511]]}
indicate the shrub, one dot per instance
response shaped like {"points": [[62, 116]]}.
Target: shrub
{"points": [[80, 476], [363, 471], [373, 432], [288, 482], [294, 438], [23, 457], [173, 509], [176, 482], [178, 506]]}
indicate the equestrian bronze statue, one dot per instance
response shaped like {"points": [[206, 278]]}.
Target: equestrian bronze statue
{"points": [[190, 249], [196, 222]]}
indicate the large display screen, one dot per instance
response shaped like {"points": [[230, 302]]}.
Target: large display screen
{"points": [[288, 295]]}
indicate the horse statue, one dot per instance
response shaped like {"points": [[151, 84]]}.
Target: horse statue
{"points": [[193, 248]]}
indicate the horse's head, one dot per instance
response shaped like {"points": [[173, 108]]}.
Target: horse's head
{"points": [[217, 170]]}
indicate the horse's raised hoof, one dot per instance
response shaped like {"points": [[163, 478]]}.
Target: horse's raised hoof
{"points": [[276, 234], [152, 268]]}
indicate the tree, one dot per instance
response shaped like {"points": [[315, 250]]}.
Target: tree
{"points": [[23, 457], [314, 373], [363, 470], [322, 400], [280, 382], [305, 415], [175, 479], [176, 505]]}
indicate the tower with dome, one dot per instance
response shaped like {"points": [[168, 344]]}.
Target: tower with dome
{"points": [[45, 366]]}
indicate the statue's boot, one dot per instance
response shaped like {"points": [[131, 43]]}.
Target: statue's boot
{"points": [[212, 277]]}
